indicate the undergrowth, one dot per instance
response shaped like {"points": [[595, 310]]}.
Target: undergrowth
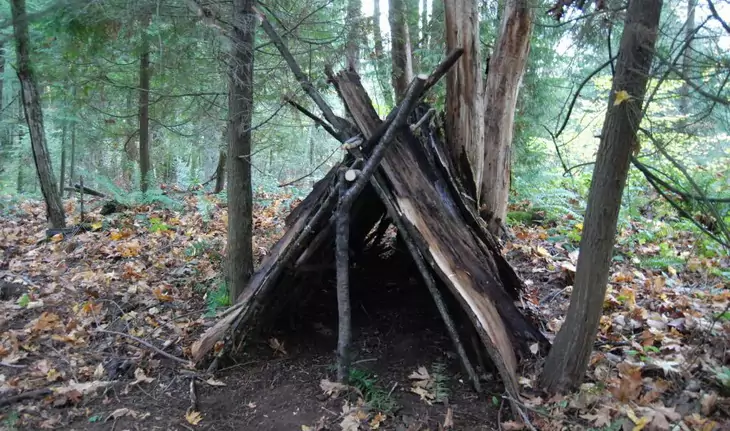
{"points": [[375, 395]]}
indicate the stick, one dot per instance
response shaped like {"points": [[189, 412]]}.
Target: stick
{"points": [[25, 396], [81, 198], [343, 283], [146, 344], [314, 118], [301, 77]]}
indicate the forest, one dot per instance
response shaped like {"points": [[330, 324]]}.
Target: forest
{"points": [[365, 215]]}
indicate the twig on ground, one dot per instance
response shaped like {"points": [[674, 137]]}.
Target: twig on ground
{"points": [[5, 364], [146, 344], [38, 393]]}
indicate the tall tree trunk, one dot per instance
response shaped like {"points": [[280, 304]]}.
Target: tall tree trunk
{"points": [[687, 56], [240, 111], [354, 33], [568, 359], [62, 181], [380, 66], [34, 117], [5, 131], [144, 109], [506, 68], [465, 95], [400, 50], [220, 173]]}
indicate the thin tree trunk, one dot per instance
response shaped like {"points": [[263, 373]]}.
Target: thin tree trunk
{"points": [[62, 181], [72, 168], [506, 68], [380, 66], [424, 24], [687, 56], [436, 25], [354, 34], [144, 109], [412, 18], [240, 111], [34, 117], [400, 51], [465, 95], [568, 359], [220, 173]]}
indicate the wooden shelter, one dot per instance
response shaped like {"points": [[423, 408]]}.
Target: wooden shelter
{"points": [[395, 171]]}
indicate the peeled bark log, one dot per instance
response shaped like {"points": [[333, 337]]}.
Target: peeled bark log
{"points": [[506, 68], [34, 117], [144, 110], [568, 359]]}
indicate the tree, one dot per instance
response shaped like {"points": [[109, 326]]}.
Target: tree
{"points": [[144, 108], [568, 359], [34, 117], [354, 34], [400, 50], [689, 29], [464, 94], [380, 66], [506, 68], [240, 111]]}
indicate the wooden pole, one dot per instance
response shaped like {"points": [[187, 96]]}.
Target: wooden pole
{"points": [[342, 252]]}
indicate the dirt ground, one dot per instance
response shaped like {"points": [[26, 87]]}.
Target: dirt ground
{"points": [[397, 329]]}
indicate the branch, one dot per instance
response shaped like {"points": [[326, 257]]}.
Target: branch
{"points": [[315, 118], [684, 195], [717, 16], [146, 344], [312, 172]]}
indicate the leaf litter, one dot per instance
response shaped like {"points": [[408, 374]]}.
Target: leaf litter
{"points": [[658, 364]]}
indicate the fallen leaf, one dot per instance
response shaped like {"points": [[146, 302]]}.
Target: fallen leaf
{"points": [[213, 382], [449, 419], [377, 420], [193, 417], [141, 377], [512, 426]]}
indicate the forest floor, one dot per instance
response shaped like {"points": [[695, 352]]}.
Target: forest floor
{"points": [[96, 329]]}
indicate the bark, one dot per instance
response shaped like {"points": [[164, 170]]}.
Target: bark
{"points": [[689, 30], [62, 181], [464, 95], [380, 65], [342, 253], [220, 173], [354, 34], [402, 73], [506, 68], [240, 112], [568, 359], [34, 118], [144, 109]]}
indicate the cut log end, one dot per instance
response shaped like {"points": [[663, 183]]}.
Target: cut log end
{"points": [[351, 175]]}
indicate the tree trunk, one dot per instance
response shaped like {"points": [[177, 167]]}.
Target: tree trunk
{"points": [[400, 51], [72, 168], [412, 18], [34, 118], [424, 24], [144, 109], [436, 25], [687, 56], [240, 110], [568, 359], [220, 173], [354, 34], [62, 181], [464, 95], [380, 66], [506, 68]]}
